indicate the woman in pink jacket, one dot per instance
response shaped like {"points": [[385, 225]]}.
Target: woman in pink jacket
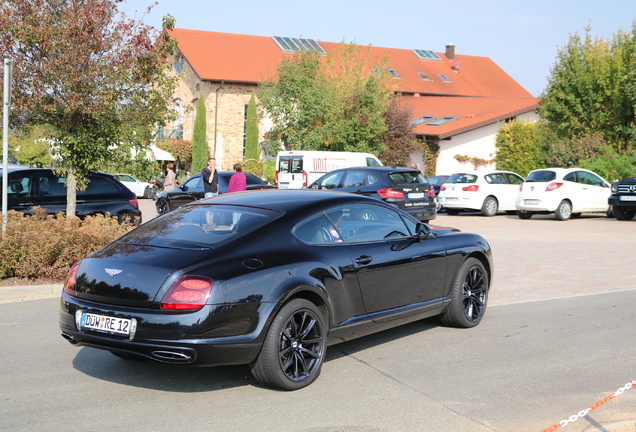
{"points": [[238, 181]]}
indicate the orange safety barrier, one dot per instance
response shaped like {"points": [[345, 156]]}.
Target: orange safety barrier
{"points": [[588, 410]]}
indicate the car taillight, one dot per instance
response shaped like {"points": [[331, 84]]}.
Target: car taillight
{"points": [[134, 202], [305, 179], [187, 293], [442, 188], [472, 188], [390, 193], [553, 186], [69, 284], [431, 192]]}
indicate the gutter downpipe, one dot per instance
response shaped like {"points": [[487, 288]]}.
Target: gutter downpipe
{"points": [[216, 115]]}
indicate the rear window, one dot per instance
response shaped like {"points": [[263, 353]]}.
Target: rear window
{"points": [[200, 225], [407, 177], [462, 178], [99, 185], [541, 176], [290, 164]]}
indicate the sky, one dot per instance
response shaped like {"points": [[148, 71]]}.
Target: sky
{"points": [[522, 37]]}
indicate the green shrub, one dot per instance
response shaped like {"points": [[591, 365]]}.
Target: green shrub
{"points": [[42, 246]]}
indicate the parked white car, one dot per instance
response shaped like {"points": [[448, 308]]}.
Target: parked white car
{"points": [[141, 189], [485, 191], [566, 192]]}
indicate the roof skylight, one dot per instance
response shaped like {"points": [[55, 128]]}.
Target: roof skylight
{"points": [[424, 76], [444, 78], [393, 72], [423, 119], [441, 121], [296, 45], [426, 55]]}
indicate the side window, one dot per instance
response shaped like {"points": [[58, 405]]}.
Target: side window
{"points": [[51, 185], [571, 177], [99, 185], [354, 179], [496, 178], [19, 186], [195, 182], [126, 178], [372, 162], [368, 222], [514, 179], [317, 229], [331, 181], [371, 179], [590, 179]]}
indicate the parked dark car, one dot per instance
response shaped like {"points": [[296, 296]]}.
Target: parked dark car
{"points": [[41, 187], [192, 190], [270, 279], [623, 199], [405, 188]]}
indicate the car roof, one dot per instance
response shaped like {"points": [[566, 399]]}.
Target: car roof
{"points": [[288, 200], [388, 169]]}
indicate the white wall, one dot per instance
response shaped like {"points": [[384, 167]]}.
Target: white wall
{"points": [[476, 143]]}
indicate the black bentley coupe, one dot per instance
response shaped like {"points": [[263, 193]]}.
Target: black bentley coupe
{"points": [[271, 278]]}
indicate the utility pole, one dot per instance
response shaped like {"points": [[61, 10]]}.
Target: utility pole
{"points": [[8, 66]]}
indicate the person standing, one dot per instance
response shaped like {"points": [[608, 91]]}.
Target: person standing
{"points": [[169, 183], [238, 181], [210, 179]]}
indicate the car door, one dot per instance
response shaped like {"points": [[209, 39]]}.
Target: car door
{"points": [[510, 191], [191, 190], [50, 193], [394, 269], [594, 192], [20, 189]]}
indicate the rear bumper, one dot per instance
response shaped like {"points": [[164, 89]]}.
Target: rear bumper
{"points": [[213, 336]]}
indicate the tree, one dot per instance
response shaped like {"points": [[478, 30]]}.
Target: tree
{"points": [[98, 79], [251, 131], [592, 88], [298, 101], [30, 146], [399, 141], [199, 140], [517, 148]]}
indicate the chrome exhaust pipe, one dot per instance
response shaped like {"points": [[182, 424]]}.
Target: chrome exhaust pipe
{"points": [[69, 338], [172, 356]]}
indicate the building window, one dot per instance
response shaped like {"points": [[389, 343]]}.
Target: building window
{"points": [[444, 78], [393, 72], [423, 119], [244, 130], [424, 76], [441, 121]]}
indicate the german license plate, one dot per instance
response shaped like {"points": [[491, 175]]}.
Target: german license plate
{"points": [[628, 198], [452, 200], [120, 326], [531, 202], [416, 195]]}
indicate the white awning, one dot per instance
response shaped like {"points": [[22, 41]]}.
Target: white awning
{"points": [[161, 155]]}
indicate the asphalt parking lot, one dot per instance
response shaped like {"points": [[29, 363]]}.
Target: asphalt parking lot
{"points": [[556, 339]]}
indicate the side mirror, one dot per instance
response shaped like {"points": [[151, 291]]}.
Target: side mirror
{"points": [[183, 187], [421, 232]]}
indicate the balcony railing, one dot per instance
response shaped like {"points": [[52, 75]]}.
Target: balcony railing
{"points": [[162, 133]]}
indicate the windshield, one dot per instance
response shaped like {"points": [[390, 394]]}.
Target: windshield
{"points": [[202, 225]]}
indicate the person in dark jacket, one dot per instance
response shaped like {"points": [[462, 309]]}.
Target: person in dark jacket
{"points": [[210, 179]]}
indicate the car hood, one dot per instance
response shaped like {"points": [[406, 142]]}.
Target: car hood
{"points": [[131, 275]]}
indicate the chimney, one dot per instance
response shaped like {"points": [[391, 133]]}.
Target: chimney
{"points": [[450, 51]]}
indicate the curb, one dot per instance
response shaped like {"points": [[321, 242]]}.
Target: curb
{"points": [[13, 294]]}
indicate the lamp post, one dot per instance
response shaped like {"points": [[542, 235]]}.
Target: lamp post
{"points": [[5, 138]]}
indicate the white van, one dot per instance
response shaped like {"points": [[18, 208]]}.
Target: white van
{"points": [[297, 169]]}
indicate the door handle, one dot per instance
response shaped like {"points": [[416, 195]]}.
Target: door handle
{"points": [[364, 259]]}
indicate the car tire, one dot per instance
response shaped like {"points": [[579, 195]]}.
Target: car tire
{"points": [[522, 214], [163, 206], [294, 349], [148, 192], [622, 214], [469, 296], [563, 211], [452, 212], [490, 206]]}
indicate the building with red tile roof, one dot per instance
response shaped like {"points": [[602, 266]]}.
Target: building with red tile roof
{"points": [[458, 101]]}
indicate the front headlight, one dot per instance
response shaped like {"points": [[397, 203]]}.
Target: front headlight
{"points": [[614, 188]]}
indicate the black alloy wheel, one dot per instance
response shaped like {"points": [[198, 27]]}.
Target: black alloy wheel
{"points": [[163, 207], [469, 296], [294, 349]]}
